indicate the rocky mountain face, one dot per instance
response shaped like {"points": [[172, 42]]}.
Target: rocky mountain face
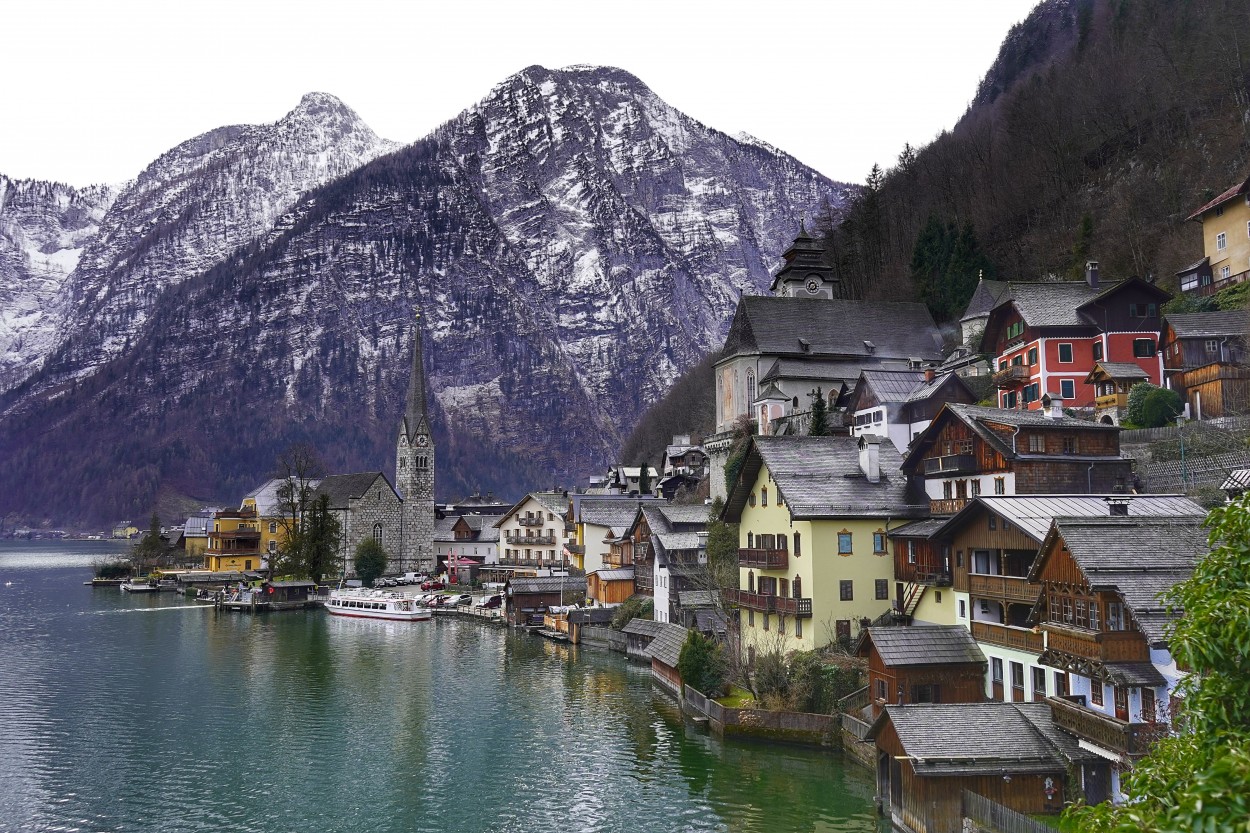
{"points": [[570, 244], [44, 227]]}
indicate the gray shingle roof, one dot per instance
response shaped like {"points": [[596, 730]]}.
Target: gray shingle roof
{"points": [[696, 598], [1140, 558], [774, 325], [817, 370], [677, 540], [444, 528], [988, 295], [642, 627], [342, 487], [925, 645], [666, 647], [1210, 324], [1053, 304], [1122, 370], [968, 738], [820, 477], [617, 515], [1033, 514], [548, 584]]}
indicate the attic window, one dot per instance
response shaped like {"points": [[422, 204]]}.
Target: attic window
{"points": [[869, 346]]}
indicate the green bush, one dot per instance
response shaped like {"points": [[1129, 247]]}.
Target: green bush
{"points": [[632, 608], [1136, 399], [702, 664], [1160, 407]]}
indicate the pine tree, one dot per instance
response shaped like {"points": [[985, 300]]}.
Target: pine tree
{"points": [[820, 416]]}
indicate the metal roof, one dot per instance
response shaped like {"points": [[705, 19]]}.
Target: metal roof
{"points": [[1033, 514], [617, 574]]}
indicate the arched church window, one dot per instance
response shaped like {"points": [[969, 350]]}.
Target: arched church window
{"points": [[751, 389], [377, 533]]}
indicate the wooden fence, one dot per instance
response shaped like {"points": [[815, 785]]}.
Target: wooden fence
{"points": [[993, 816], [603, 638], [792, 727]]}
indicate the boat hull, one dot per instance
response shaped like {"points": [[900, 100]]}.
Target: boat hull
{"points": [[397, 616], [367, 604]]}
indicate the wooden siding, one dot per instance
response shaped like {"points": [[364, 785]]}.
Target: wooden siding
{"points": [[1223, 390], [976, 534], [1054, 477], [954, 438]]}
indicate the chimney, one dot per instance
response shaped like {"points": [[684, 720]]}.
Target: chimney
{"points": [[929, 373], [1091, 274], [1118, 506], [1052, 406], [870, 456]]}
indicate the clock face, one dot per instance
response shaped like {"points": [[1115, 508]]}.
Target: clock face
{"points": [[812, 285], [422, 440]]}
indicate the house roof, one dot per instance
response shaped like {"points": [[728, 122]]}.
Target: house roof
{"points": [[617, 574], [268, 504], [820, 477], [1118, 370], [613, 514], [843, 372], [642, 627], [677, 540], [1237, 189], [1237, 479], [557, 503], [343, 487], [444, 528], [666, 647], [1222, 323], [1053, 303], [1033, 514], [988, 295], [547, 584], [892, 385], [990, 737], [917, 529], [1140, 558], [924, 645], [696, 598], [774, 325]]}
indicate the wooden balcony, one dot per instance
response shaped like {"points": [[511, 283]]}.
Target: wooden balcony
{"points": [[530, 540], [1111, 400], [1004, 588], [1104, 646], [947, 506], [1022, 639], [1127, 739], [525, 521], [951, 464], [764, 559], [1218, 284], [1015, 376], [800, 608]]}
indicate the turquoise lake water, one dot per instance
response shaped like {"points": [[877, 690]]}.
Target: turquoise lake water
{"points": [[145, 713]]}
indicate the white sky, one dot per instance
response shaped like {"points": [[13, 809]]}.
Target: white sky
{"points": [[95, 90]]}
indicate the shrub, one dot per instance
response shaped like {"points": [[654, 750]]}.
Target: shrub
{"points": [[702, 664]]}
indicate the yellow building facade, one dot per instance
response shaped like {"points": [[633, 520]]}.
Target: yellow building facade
{"points": [[234, 542]]}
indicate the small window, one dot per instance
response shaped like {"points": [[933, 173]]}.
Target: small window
{"points": [[1225, 272], [273, 527], [1010, 401], [844, 543], [1017, 675], [751, 499], [1039, 682], [1221, 241], [993, 521], [1065, 353], [1097, 351], [1067, 389], [1095, 692], [1143, 348], [878, 542], [846, 589], [1032, 356], [764, 496], [1037, 443], [976, 488], [911, 552], [1211, 345], [1069, 445], [1061, 683], [798, 545], [996, 669], [883, 588], [963, 609], [1000, 485]]}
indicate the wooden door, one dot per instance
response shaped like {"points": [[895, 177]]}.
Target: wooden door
{"points": [[1121, 702]]}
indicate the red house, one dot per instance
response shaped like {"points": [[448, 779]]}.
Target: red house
{"points": [[1047, 336]]}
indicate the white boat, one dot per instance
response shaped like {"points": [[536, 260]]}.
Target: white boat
{"points": [[139, 585], [375, 604]]}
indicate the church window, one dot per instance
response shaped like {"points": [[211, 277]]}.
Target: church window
{"points": [[377, 532], [403, 463]]}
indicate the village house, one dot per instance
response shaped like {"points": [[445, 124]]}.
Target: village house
{"points": [[922, 574], [970, 450], [936, 664], [1204, 360], [532, 537], [195, 532], [466, 537], [528, 598], [1046, 336], [813, 560], [900, 404], [987, 295], [1104, 617], [234, 542], [929, 755], [273, 515], [1225, 223], [669, 555], [992, 545], [664, 651], [599, 520]]}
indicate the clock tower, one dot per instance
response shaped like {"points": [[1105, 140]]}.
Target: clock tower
{"points": [[805, 273], [414, 472]]}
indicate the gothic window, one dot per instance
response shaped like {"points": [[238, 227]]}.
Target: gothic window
{"points": [[377, 533], [751, 389]]}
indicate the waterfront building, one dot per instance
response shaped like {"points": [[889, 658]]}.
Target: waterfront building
{"points": [[414, 474], [1104, 616], [533, 537], [272, 516], [936, 664], [366, 505], [670, 558], [813, 558], [195, 532], [234, 542], [528, 598], [466, 536], [599, 520]]}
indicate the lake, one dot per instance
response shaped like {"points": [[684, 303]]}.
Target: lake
{"points": [[146, 713]]}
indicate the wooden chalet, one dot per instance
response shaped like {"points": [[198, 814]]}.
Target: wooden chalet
{"points": [[933, 664], [970, 450], [610, 586], [669, 554], [664, 653], [920, 563], [526, 599], [1204, 360], [929, 754], [1112, 382], [586, 617], [1104, 618]]}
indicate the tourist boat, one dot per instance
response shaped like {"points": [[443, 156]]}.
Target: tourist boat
{"points": [[375, 604], [141, 584]]}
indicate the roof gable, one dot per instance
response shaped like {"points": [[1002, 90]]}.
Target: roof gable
{"points": [[342, 488]]}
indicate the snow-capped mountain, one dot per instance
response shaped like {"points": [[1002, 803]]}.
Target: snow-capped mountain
{"points": [[571, 243], [44, 227]]}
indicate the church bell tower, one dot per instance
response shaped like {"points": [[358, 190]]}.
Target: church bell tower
{"points": [[414, 471]]}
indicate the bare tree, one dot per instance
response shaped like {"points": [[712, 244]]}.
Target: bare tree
{"points": [[300, 469]]}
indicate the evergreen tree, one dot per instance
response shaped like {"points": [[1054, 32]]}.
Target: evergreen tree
{"points": [[150, 548], [702, 664], [644, 478], [321, 540], [819, 426], [370, 561]]}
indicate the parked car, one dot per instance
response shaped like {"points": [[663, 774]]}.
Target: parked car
{"points": [[462, 599], [491, 602], [433, 585]]}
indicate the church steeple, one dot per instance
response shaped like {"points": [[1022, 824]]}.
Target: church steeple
{"points": [[805, 273], [414, 469]]}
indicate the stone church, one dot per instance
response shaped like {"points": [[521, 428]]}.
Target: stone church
{"points": [[414, 474]]}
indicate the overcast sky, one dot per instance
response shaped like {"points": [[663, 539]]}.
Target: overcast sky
{"points": [[94, 90]]}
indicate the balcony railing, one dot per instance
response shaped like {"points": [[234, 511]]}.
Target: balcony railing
{"points": [[524, 520], [764, 559], [1105, 646], [1008, 636], [530, 540], [1129, 739], [947, 506], [951, 464], [1008, 588], [765, 603], [1219, 283], [1015, 376]]}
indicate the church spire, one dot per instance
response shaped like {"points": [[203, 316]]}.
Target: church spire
{"points": [[415, 415]]}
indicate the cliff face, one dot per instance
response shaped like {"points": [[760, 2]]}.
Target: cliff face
{"points": [[571, 243]]}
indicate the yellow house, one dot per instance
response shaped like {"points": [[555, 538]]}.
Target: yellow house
{"points": [[233, 542], [1225, 241], [272, 519], [813, 515]]}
